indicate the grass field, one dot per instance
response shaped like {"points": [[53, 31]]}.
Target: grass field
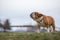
{"points": [[29, 36]]}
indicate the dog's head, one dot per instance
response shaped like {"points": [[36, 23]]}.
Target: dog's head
{"points": [[35, 15]]}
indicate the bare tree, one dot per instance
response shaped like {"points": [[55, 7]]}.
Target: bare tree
{"points": [[1, 24], [6, 25]]}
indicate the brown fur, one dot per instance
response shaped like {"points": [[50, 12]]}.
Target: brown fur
{"points": [[47, 20]]}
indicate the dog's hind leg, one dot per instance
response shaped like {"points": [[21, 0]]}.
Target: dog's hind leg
{"points": [[53, 26]]}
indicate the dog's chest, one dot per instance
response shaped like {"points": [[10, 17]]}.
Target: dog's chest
{"points": [[40, 22]]}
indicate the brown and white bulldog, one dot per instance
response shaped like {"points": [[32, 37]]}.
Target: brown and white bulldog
{"points": [[43, 21]]}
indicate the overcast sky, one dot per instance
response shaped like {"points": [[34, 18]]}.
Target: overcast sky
{"points": [[18, 11]]}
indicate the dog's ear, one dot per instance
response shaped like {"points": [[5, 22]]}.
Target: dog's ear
{"points": [[40, 15]]}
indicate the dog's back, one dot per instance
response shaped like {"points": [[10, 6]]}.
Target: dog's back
{"points": [[48, 20]]}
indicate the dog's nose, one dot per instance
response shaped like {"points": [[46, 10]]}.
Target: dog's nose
{"points": [[31, 15]]}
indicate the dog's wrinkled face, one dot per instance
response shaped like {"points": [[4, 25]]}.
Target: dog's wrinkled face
{"points": [[35, 15]]}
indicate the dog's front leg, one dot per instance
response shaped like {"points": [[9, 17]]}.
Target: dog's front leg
{"points": [[38, 28], [48, 29]]}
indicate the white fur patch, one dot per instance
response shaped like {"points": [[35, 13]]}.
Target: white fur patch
{"points": [[41, 18], [48, 30], [40, 21], [33, 15]]}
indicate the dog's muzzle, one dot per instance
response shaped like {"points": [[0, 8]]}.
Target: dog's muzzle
{"points": [[32, 15]]}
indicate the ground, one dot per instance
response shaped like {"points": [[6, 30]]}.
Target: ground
{"points": [[29, 36]]}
